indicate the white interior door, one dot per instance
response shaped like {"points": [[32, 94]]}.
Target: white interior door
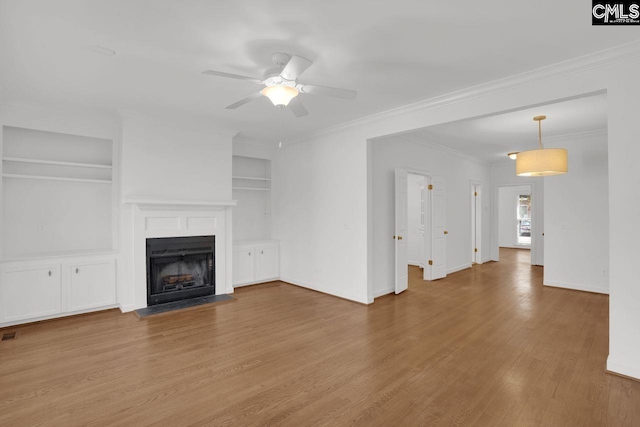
{"points": [[438, 230], [401, 232]]}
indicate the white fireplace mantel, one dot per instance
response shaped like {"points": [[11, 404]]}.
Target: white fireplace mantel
{"points": [[180, 218], [148, 202]]}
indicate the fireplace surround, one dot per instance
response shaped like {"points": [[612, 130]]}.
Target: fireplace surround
{"points": [[180, 268], [151, 218]]}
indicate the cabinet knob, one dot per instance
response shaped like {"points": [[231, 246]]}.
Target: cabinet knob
{"points": [[262, 252], [49, 273], [77, 270], [249, 253]]}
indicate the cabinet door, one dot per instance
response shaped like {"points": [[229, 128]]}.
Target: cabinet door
{"points": [[30, 292], [243, 266], [91, 285], [268, 263]]}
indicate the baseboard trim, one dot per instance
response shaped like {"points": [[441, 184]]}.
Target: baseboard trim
{"points": [[458, 268], [327, 291], [126, 308], [526, 248], [39, 319], [254, 283], [574, 287], [625, 370], [382, 292]]}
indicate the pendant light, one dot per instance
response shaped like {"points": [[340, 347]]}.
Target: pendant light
{"points": [[543, 161]]}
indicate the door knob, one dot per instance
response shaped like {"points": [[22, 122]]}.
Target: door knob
{"points": [[446, 232], [399, 237]]}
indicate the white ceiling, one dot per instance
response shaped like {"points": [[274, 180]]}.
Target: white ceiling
{"points": [[491, 138], [392, 52]]}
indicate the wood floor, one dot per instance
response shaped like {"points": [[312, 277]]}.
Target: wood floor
{"points": [[487, 346]]}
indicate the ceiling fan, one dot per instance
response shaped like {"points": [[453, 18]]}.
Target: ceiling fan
{"points": [[282, 86]]}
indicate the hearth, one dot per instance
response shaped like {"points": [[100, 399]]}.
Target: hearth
{"points": [[180, 268]]}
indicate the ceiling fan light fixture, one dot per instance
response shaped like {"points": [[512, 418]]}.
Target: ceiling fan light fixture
{"points": [[543, 161], [513, 155], [280, 95]]}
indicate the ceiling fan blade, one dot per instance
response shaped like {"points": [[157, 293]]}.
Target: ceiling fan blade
{"points": [[232, 76], [296, 66], [298, 109], [328, 91], [244, 101]]}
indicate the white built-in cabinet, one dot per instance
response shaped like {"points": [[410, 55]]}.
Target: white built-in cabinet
{"points": [[256, 262], [91, 284], [42, 289], [30, 292], [57, 253], [256, 257]]}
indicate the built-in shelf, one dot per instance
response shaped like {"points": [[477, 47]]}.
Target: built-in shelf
{"points": [[56, 178], [254, 178], [251, 188], [56, 163], [165, 202]]}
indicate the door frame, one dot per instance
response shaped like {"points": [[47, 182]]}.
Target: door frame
{"points": [[476, 221], [426, 272], [537, 220]]}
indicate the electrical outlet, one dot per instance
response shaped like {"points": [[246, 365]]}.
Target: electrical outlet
{"points": [[605, 273], [565, 225], [41, 228]]}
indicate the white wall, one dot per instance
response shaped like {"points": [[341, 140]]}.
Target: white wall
{"points": [[320, 214], [397, 152], [508, 215], [503, 175], [164, 161], [576, 217], [416, 235]]}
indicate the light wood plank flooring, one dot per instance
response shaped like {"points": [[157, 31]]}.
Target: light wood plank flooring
{"points": [[487, 346]]}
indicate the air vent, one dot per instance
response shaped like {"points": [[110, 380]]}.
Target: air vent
{"points": [[9, 336]]}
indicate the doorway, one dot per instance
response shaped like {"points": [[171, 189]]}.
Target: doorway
{"points": [[421, 197], [515, 217]]}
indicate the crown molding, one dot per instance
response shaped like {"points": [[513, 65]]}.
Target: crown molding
{"points": [[573, 135], [568, 67]]}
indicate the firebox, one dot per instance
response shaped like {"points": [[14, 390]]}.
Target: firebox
{"points": [[180, 268]]}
